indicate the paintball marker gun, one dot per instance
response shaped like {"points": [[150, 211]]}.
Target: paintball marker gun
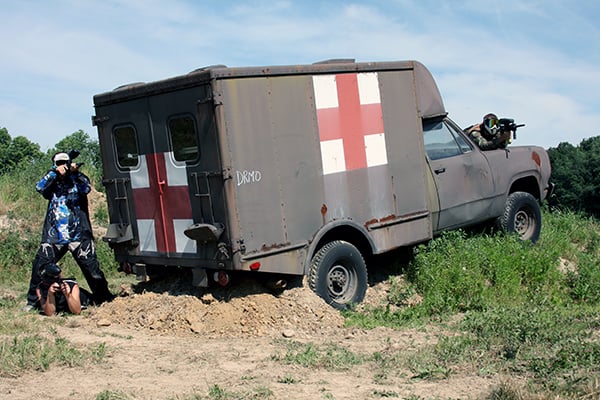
{"points": [[508, 125], [73, 154]]}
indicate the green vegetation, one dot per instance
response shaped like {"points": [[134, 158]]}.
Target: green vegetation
{"points": [[24, 346], [216, 392], [17, 151], [575, 170], [459, 273], [497, 305], [529, 310], [25, 209], [112, 395], [330, 356], [38, 353]]}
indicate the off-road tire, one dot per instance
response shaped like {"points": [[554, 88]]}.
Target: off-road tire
{"points": [[522, 215], [338, 274]]}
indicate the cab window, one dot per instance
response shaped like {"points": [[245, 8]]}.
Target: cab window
{"points": [[127, 147], [184, 140], [440, 142]]}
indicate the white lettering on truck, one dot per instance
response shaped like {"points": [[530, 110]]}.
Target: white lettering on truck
{"points": [[245, 176]]}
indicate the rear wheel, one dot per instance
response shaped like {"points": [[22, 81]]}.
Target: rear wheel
{"points": [[522, 215], [338, 274]]}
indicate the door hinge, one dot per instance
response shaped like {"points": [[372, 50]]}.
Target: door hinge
{"points": [[98, 120]]}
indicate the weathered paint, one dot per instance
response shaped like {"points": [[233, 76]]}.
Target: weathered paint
{"points": [[288, 156]]}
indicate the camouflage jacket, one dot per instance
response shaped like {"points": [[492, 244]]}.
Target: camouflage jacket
{"points": [[481, 141]]}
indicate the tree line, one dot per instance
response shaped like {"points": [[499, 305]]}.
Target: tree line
{"points": [[576, 173], [575, 169], [20, 152]]}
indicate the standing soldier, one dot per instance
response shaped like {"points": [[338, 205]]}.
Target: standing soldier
{"points": [[67, 227]]}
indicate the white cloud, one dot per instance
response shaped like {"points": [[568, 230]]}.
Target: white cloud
{"points": [[535, 61]]}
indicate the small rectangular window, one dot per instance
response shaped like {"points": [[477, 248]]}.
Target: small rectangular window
{"points": [[127, 147], [183, 138]]}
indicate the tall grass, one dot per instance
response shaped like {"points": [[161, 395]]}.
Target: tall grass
{"points": [[460, 272], [527, 309], [18, 198]]}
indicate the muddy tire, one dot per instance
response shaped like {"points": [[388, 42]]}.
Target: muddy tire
{"points": [[338, 274], [522, 215]]}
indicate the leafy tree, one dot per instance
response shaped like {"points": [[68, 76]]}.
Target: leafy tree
{"points": [[5, 141], [89, 154], [591, 189], [576, 173], [89, 148], [17, 151]]}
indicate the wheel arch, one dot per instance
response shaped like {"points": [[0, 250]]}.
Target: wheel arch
{"points": [[346, 230], [528, 184]]}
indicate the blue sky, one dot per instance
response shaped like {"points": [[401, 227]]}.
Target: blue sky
{"points": [[537, 61]]}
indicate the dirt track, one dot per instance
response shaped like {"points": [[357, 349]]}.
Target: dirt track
{"points": [[167, 341]]}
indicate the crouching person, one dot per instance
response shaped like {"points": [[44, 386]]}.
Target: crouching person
{"points": [[57, 294]]}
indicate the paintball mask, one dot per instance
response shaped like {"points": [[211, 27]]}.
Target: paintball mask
{"points": [[61, 159], [490, 125]]}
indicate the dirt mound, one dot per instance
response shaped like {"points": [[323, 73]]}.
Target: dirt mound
{"points": [[243, 310], [247, 308]]}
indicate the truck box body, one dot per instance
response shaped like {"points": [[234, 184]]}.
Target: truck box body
{"points": [[257, 168]]}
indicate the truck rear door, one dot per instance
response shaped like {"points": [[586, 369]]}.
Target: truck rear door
{"points": [[164, 149]]}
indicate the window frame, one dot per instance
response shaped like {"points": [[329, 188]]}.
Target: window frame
{"points": [[116, 146], [169, 130], [461, 144]]}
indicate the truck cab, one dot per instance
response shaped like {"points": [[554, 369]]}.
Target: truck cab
{"points": [[473, 185]]}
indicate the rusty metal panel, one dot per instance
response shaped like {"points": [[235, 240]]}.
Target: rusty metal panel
{"points": [[519, 162], [407, 232], [355, 149], [407, 163], [285, 186], [276, 181], [296, 143]]}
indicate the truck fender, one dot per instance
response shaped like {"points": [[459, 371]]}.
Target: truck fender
{"points": [[347, 230]]}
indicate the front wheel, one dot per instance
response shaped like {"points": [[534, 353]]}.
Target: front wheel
{"points": [[522, 215], [338, 274]]}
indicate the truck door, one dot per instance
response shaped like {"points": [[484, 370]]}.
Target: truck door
{"points": [[160, 189], [167, 145], [462, 175]]}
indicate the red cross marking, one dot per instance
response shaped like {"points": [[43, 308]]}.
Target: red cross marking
{"points": [[351, 121], [162, 203]]}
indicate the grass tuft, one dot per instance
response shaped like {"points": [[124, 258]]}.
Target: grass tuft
{"points": [[37, 353]]}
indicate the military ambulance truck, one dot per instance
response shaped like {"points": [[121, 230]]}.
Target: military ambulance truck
{"points": [[302, 170]]}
